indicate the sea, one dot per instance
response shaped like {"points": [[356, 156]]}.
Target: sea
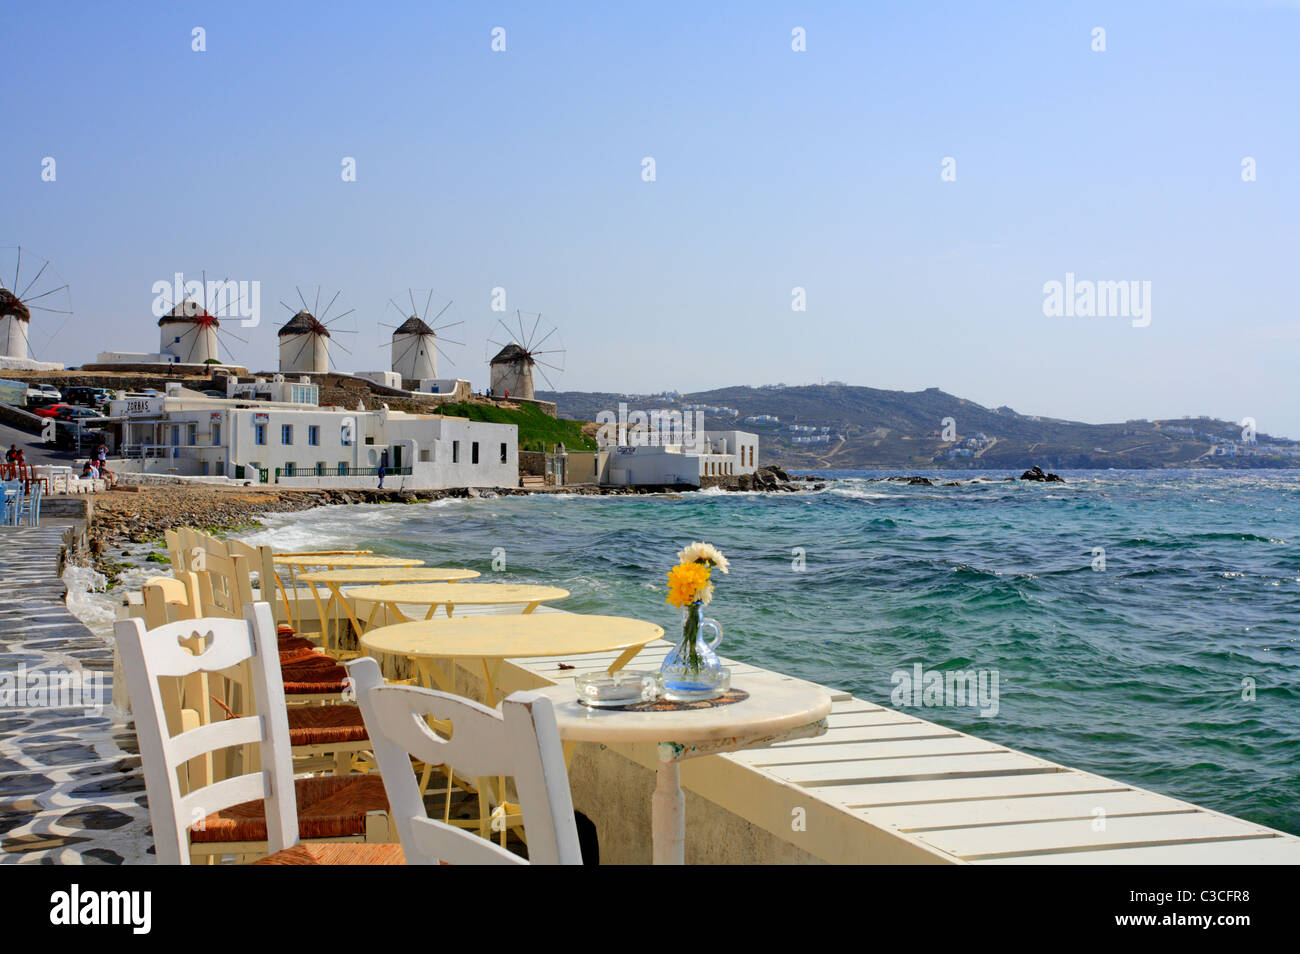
{"points": [[1143, 625]]}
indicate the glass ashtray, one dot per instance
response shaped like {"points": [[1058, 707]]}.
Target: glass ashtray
{"points": [[622, 688]]}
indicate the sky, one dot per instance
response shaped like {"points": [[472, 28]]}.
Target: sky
{"points": [[921, 171]]}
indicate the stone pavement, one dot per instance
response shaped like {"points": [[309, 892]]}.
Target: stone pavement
{"points": [[71, 787]]}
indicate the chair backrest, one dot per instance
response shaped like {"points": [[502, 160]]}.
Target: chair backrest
{"points": [[520, 741], [260, 560], [159, 654]]}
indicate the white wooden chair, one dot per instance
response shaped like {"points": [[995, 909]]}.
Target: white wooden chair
{"points": [[520, 741], [244, 815]]}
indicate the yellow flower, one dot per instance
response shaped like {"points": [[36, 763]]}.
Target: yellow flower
{"points": [[686, 582]]}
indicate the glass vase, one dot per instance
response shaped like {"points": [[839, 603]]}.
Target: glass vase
{"points": [[692, 671]]}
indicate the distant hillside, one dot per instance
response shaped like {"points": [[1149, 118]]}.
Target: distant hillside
{"points": [[857, 427]]}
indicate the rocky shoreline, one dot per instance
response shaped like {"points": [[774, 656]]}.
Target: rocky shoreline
{"points": [[143, 514]]}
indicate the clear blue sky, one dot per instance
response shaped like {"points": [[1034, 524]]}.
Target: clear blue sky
{"points": [[775, 169]]}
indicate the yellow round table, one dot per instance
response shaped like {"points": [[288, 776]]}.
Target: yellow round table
{"points": [[450, 595], [335, 580], [330, 561], [491, 640]]}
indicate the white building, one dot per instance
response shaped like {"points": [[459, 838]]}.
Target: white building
{"points": [[720, 454], [188, 334], [274, 432]]}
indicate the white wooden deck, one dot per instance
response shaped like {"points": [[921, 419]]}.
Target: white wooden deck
{"points": [[883, 785]]}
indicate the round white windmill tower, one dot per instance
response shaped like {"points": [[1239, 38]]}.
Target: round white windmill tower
{"points": [[27, 284], [304, 345], [15, 320], [521, 354], [189, 334], [512, 373], [415, 351]]}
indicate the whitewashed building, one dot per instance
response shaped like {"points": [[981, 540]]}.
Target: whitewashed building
{"points": [[274, 432], [719, 454]]}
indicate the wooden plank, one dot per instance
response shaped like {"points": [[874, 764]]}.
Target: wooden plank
{"points": [[971, 765], [839, 719], [1000, 811], [854, 733], [1249, 851], [880, 750], [991, 841], [966, 789]]}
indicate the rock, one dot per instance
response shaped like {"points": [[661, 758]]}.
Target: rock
{"points": [[920, 482], [774, 471], [1036, 473]]}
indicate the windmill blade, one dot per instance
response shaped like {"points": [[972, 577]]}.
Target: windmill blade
{"points": [[533, 333], [316, 310], [45, 294], [556, 368], [330, 305], [222, 331], [52, 311], [450, 324], [443, 312], [533, 348], [342, 331], [18, 266], [32, 282], [446, 340], [411, 295], [287, 307], [427, 303], [444, 354], [301, 299], [549, 385], [340, 344]]}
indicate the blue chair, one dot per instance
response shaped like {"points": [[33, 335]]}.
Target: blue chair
{"points": [[29, 506], [13, 492]]}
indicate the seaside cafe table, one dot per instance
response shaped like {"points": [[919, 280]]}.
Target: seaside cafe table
{"points": [[329, 561], [451, 595], [773, 712], [488, 641], [371, 578]]}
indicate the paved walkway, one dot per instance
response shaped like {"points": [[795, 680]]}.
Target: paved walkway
{"points": [[71, 789]]}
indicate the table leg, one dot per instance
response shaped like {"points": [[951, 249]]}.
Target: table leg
{"points": [[668, 816]]}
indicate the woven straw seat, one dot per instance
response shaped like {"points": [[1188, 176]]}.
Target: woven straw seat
{"points": [[318, 674], [299, 653], [332, 806], [336, 853], [322, 725], [288, 638]]}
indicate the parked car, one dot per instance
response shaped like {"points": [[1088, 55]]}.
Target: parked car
{"points": [[76, 413], [89, 397], [52, 410], [38, 394]]}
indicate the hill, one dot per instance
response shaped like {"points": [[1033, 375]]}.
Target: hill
{"points": [[850, 427]]}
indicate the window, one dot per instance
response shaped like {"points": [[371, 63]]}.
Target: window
{"points": [[473, 453], [455, 452], [313, 435], [320, 468], [203, 468], [192, 434], [221, 468], [176, 435], [505, 454], [343, 468], [216, 433], [290, 469], [259, 433], [426, 454], [286, 433]]}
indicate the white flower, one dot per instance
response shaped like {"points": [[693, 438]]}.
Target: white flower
{"points": [[704, 553]]}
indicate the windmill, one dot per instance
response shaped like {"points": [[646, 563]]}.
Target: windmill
{"points": [[521, 352], [416, 339], [305, 339], [191, 330], [36, 287]]}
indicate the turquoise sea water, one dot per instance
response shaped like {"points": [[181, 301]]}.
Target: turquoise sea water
{"points": [[1134, 671]]}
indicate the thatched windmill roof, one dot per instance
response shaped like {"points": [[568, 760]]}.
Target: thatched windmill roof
{"points": [[413, 326], [510, 354], [188, 312], [11, 306], [303, 323]]}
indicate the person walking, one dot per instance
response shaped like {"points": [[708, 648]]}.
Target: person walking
{"points": [[12, 454], [383, 468]]}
